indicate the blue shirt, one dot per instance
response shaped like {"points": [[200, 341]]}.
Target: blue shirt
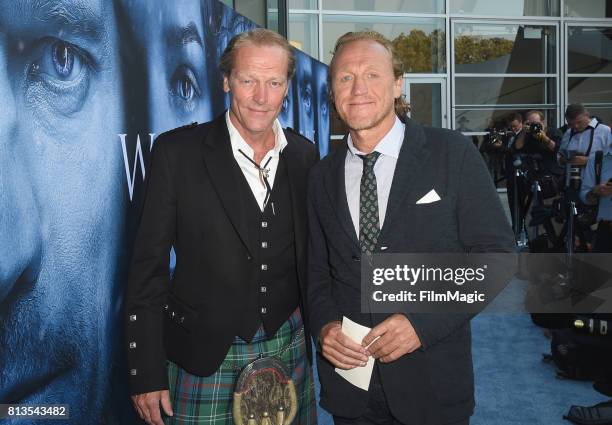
{"points": [[588, 181], [580, 141]]}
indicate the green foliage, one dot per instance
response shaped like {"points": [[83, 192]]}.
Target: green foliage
{"points": [[421, 52], [471, 49]]}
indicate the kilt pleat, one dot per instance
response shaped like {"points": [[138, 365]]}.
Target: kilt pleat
{"points": [[207, 400]]}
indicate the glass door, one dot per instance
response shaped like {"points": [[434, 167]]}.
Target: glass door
{"points": [[427, 99]]}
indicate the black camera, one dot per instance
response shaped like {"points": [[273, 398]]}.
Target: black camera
{"points": [[573, 171], [498, 135], [533, 127]]}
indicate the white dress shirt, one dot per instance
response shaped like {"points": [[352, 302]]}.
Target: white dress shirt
{"points": [[251, 173], [389, 148]]}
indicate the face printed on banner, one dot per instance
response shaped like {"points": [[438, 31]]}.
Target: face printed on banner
{"points": [[305, 95], [61, 201], [170, 38], [320, 75], [258, 85], [287, 113], [221, 24]]}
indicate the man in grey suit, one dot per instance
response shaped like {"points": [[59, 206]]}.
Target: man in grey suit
{"points": [[363, 200]]}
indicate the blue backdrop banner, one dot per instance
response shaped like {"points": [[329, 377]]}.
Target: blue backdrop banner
{"points": [[86, 86]]}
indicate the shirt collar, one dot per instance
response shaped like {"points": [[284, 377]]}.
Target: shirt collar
{"points": [[592, 124], [238, 142], [389, 145]]}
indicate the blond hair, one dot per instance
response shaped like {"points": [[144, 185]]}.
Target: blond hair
{"points": [[258, 37], [401, 106]]}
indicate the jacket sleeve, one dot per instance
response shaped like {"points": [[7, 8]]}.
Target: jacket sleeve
{"points": [[149, 277], [483, 228], [321, 305]]}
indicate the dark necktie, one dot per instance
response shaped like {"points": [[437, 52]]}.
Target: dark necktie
{"points": [[369, 226]]}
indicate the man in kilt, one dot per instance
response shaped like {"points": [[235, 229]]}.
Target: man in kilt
{"points": [[229, 197]]}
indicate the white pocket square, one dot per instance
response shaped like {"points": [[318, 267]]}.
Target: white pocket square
{"points": [[430, 197]]}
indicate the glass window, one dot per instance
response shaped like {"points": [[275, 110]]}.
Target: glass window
{"points": [[589, 90], [302, 4], [589, 50], [426, 103], [272, 15], [505, 49], [507, 8], [420, 42], [588, 9], [303, 33], [603, 113], [508, 90], [481, 119], [407, 6]]}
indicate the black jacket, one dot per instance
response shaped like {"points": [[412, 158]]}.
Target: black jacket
{"points": [[192, 203], [433, 385]]}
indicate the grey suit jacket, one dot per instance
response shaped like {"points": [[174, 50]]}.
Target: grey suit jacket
{"points": [[433, 385]]}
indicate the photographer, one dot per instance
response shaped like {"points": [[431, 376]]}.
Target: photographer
{"points": [[584, 137], [535, 152], [494, 149], [597, 190], [539, 141], [513, 182]]}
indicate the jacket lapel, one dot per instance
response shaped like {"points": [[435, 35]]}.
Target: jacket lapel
{"points": [[336, 190], [223, 173], [413, 154], [296, 172]]}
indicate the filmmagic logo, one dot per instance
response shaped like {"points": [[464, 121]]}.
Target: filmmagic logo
{"points": [[414, 275], [429, 296]]}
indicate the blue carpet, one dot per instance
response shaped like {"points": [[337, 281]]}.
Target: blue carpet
{"points": [[513, 385]]}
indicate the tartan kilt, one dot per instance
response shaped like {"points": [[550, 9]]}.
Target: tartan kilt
{"points": [[208, 399]]}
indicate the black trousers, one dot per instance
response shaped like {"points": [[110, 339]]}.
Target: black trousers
{"points": [[377, 412], [603, 241]]}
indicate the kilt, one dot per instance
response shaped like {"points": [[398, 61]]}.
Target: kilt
{"points": [[208, 399]]}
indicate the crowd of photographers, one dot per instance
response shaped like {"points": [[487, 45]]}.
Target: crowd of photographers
{"points": [[559, 187], [558, 180]]}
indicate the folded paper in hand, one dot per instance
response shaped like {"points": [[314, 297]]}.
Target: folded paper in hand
{"points": [[358, 376]]}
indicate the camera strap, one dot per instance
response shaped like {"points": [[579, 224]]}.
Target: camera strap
{"points": [[598, 166], [588, 152]]}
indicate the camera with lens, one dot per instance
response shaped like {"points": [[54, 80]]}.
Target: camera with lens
{"points": [[498, 135], [573, 171], [533, 127]]}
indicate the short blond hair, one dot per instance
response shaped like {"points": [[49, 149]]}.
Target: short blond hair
{"points": [[401, 106], [258, 37]]}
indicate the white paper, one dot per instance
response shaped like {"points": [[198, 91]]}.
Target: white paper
{"points": [[358, 376]]}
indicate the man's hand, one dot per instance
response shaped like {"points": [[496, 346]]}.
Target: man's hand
{"points": [[147, 406], [397, 337], [579, 160], [339, 349], [545, 140], [603, 190]]}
